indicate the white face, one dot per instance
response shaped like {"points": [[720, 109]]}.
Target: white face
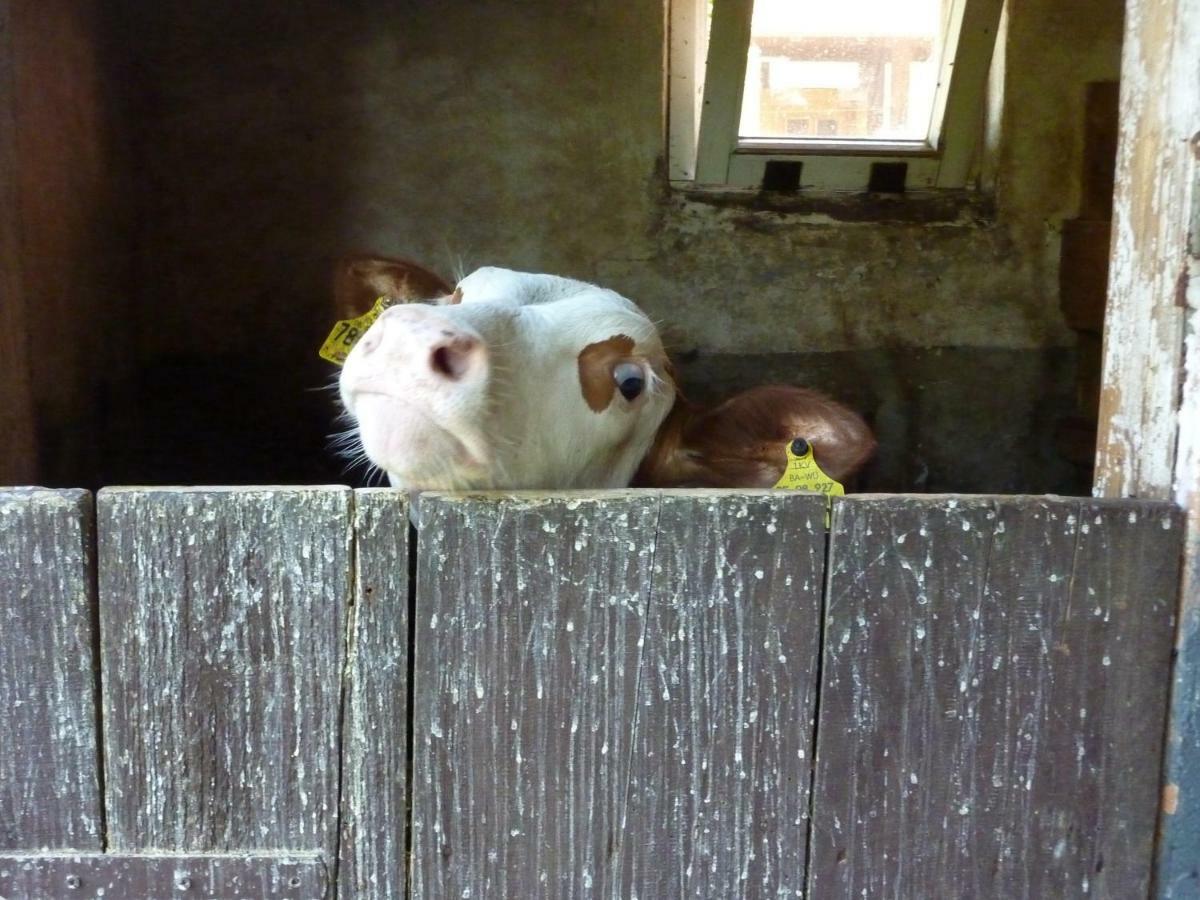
{"points": [[531, 381]]}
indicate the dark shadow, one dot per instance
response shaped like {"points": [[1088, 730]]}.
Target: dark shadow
{"points": [[238, 113]]}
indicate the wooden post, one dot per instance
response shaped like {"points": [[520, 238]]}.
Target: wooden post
{"points": [[1149, 440], [65, 238], [1153, 285], [18, 458]]}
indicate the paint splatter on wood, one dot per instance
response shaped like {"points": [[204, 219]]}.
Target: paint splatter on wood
{"points": [[609, 701], [222, 616], [722, 756], [49, 750], [529, 629], [614, 694], [293, 876], [993, 697], [375, 731], [1150, 326]]}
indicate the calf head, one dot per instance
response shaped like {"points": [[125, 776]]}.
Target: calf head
{"points": [[510, 380], [515, 380]]}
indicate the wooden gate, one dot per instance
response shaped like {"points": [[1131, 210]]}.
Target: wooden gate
{"points": [[286, 693]]}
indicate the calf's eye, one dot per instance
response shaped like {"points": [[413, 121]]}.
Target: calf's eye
{"points": [[630, 379]]}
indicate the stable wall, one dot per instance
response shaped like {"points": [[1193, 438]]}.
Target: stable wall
{"points": [[272, 137], [65, 307]]}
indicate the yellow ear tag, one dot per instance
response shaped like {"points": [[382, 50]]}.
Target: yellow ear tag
{"points": [[803, 474], [346, 333]]}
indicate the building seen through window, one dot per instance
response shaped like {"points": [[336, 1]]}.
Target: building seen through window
{"points": [[857, 69]]}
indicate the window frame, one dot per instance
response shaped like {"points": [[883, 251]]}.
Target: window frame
{"points": [[707, 77]]}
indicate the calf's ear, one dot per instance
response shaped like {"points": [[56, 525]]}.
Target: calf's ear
{"points": [[358, 281], [743, 441]]}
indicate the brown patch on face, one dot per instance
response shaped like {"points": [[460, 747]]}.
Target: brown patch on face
{"points": [[596, 362]]}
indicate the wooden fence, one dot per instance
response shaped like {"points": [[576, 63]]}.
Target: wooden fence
{"points": [[287, 693]]}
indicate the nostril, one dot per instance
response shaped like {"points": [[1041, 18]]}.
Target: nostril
{"points": [[454, 358]]}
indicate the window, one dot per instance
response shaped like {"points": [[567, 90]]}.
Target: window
{"points": [[836, 87]]}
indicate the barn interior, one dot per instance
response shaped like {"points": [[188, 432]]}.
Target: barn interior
{"points": [[177, 180]]}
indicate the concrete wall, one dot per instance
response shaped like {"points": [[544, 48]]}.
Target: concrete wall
{"points": [[274, 136]]}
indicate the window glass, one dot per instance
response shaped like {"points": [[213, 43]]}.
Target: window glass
{"points": [[861, 69]]}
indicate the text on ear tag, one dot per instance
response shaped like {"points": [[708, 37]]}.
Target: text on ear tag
{"points": [[346, 333], [803, 474]]}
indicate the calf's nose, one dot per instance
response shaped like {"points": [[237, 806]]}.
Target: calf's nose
{"points": [[456, 356], [420, 337]]}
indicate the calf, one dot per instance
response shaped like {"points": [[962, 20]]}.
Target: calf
{"points": [[514, 380]]}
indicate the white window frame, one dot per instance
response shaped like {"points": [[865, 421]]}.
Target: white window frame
{"points": [[705, 101]]}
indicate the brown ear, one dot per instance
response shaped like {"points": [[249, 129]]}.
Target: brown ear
{"points": [[359, 281], [743, 441]]}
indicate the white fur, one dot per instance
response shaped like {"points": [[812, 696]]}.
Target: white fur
{"points": [[519, 419]]}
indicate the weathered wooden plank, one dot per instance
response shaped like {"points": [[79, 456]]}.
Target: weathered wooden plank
{"points": [[721, 759], [529, 624], [614, 694], [49, 750], [222, 615], [1178, 866], [126, 876], [993, 696], [725, 74], [1149, 443], [1177, 88], [375, 732], [1154, 282]]}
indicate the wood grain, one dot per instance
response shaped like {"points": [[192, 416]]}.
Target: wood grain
{"points": [[222, 615], [613, 694], [375, 732], [1154, 280], [1149, 440], [49, 750], [125, 876], [722, 757], [1177, 872], [993, 697], [529, 627]]}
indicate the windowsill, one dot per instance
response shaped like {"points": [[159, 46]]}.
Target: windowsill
{"points": [[935, 207]]}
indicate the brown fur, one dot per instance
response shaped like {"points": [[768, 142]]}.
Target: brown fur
{"points": [[742, 442], [596, 363], [359, 281]]}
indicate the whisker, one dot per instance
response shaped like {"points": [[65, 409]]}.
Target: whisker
{"points": [[458, 267]]}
